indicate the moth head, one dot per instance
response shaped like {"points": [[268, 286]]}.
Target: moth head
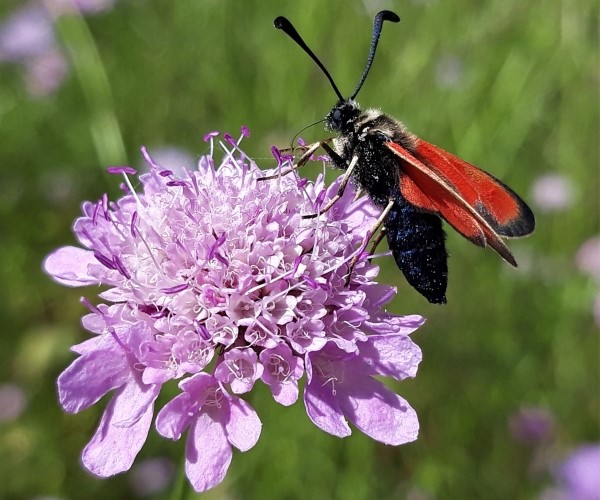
{"points": [[342, 118]]}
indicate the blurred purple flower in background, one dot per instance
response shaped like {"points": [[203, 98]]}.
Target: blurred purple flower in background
{"points": [[532, 426], [27, 38], [215, 278], [553, 192], [588, 257], [578, 477], [26, 33], [12, 402], [151, 476], [45, 73]]}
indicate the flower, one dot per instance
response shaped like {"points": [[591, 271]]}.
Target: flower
{"points": [[215, 279], [553, 192], [579, 473], [532, 426], [27, 37], [577, 476], [27, 32], [12, 402], [151, 476], [588, 257]]}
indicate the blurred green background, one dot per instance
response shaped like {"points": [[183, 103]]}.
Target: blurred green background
{"points": [[509, 85]]}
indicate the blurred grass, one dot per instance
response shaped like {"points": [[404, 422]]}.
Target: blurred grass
{"points": [[164, 73]]}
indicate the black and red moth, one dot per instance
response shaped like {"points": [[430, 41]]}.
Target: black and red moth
{"points": [[417, 184]]}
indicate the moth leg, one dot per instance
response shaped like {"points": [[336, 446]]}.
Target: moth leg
{"points": [[308, 152], [378, 224], [341, 189], [378, 239], [337, 160], [301, 162], [293, 149], [359, 192]]}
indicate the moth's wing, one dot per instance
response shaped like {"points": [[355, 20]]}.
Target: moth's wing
{"points": [[503, 209], [423, 187]]}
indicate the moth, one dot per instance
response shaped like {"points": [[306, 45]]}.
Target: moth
{"points": [[416, 184]]}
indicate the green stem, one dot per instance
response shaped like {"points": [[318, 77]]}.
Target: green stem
{"points": [[104, 126], [179, 488]]}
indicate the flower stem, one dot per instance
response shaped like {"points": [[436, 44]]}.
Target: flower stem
{"points": [[104, 126], [178, 491]]}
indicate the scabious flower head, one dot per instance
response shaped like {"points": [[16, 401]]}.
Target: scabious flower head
{"points": [[12, 402], [532, 426], [580, 473], [27, 32], [215, 279], [578, 476], [553, 192], [27, 37], [588, 257], [151, 476]]}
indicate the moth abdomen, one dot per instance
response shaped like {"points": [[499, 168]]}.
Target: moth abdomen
{"points": [[417, 242]]}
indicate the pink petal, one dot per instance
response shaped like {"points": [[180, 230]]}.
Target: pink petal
{"points": [[243, 428], [114, 447], [285, 394], [208, 454], [323, 408], [394, 356], [89, 378], [390, 324], [138, 397], [69, 266], [174, 418], [379, 412]]}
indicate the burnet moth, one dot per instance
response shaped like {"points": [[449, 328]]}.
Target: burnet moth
{"points": [[416, 184]]}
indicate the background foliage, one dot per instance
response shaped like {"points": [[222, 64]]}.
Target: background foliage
{"points": [[509, 85]]}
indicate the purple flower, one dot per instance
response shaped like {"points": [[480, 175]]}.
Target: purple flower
{"points": [[553, 192], [579, 476], [28, 32], [532, 426], [214, 278], [281, 373], [581, 473], [588, 257], [45, 73], [240, 369], [12, 402], [216, 421], [151, 476], [27, 37]]}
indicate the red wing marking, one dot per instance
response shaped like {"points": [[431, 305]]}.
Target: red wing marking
{"points": [[425, 188], [501, 207]]}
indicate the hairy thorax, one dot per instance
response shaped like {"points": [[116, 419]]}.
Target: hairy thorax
{"points": [[377, 168]]}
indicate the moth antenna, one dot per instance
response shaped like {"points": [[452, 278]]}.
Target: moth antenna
{"points": [[384, 15], [283, 24], [304, 128]]}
